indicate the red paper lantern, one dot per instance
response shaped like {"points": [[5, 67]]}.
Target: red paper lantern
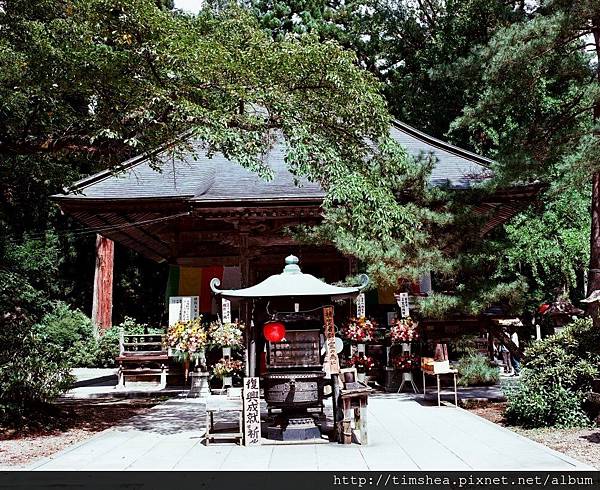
{"points": [[274, 331]]}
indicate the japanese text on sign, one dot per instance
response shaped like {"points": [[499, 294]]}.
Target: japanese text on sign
{"points": [[251, 400], [332, 357], [360, 306], [226, 310], [402, 300]]}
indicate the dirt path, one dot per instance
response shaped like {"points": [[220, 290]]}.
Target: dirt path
{"points": [[74, 421]]}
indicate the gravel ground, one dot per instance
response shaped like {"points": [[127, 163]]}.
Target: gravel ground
{"points": [[581, 444], [74, 421]]}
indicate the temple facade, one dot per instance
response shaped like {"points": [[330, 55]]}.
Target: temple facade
{"points": [[208, 217]]}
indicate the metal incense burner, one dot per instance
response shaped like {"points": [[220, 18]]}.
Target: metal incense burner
{"points": [[295, 382]]}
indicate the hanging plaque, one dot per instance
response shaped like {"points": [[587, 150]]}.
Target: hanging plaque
{"points": [[226, 310], [360, 306], [332, 357], [402, 300], [251, 412]]}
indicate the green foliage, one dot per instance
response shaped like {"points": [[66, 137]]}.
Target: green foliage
{"points": [[535, 404], [476, 370], [32, 372], [556, 374], [102, 351], [549, 244], [534, 113], [413, 47], [65, 327], [464, 345]]}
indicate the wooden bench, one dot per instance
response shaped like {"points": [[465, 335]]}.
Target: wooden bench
{"points": [[142, 355]]}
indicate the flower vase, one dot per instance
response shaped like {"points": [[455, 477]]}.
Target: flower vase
{"points": [[226, 352], [361, 377], [227, 381], [361, 348]]}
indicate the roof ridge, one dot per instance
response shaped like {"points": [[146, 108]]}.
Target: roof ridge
{"points": [[443, 145]]}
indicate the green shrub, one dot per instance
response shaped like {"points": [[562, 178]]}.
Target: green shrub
{"points": [[476, 370], [556, 374], [531, 404], [32, 372], [65, 327], [73, 332], [103, 351]]}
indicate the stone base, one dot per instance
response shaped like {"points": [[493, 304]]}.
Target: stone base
{"points": [[199, 385], [294, 429], [393, 378]]}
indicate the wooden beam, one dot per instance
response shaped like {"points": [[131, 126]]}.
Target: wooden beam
{"points": [[231, 260], [103, 284]]}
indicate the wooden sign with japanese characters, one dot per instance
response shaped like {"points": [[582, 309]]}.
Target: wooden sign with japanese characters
{"points": [[251, 411], [360, 306], [332, 357], [402, 300], [226, 310]]}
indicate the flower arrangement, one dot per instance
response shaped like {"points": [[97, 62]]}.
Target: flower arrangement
{"points": [[361, 363], [227, 367], [359, 330], [406, 362], [404, 330], [187, 339], [226, 334]]}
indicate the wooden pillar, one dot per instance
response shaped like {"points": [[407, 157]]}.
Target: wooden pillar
{"points": [[103, 284], [246, 308]]}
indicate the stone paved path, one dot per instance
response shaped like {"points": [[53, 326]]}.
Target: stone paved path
{"points": [[404, 434]]}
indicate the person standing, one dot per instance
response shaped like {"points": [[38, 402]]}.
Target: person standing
{"points": [[516, 364], [505, 358]]}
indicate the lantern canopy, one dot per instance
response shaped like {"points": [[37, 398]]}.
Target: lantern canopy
{"points": [[291, 282]]}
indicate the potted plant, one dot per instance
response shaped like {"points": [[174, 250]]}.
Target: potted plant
{"points": [[187, 340], [226, 368], [227, 336]]}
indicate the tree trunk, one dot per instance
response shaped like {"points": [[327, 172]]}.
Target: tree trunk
{"points": [[594, 269], [103, 284]]}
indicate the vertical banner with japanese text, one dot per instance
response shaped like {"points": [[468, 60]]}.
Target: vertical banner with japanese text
{"points": [[226, 310], [251, 411], [360, 306], [332, 357], [402, 300]]}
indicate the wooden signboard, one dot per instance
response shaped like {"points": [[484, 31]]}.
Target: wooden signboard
{"points": [[226, 310], [402, 300], [332, 357], [251, 411], [360, 306]]}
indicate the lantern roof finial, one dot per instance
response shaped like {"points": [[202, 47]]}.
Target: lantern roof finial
{"points": [[291, 265]]}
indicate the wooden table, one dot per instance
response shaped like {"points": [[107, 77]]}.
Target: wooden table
{"points": [[454, 372], [221, 403]]}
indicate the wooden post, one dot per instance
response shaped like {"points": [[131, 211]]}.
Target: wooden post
{"points": [[246, 311], [103, 284]]}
